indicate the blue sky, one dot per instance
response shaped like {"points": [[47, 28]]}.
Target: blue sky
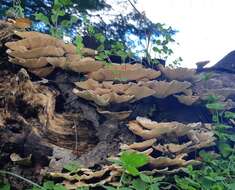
{"points": [[207, 27]]}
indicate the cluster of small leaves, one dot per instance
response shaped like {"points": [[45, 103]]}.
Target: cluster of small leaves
{"points": [[57, 25], [117, 47], [16, 11], [132, 178], [217, 173], [161, 45], [218, 170]]}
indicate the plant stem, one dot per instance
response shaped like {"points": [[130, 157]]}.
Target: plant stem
{"points": [[22, 178]]}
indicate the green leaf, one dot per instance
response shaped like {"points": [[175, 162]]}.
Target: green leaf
{"points": [[72, 166], [146, 178], [231, 186], [138, 184], [215, 106], [225, 149], [100, 37], [109, 188], [42, 17], [132, 161], [49, 185], [5, 187], [154, 186], [59, 187], [54, 19], [229, 115], [132, 170]]}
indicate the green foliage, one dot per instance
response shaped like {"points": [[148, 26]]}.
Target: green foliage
{"points": [[5, 186], [216, 174], [55, 21], [218, 170], [131, 161], [79, 44], [16, 11], [72, 166], [50, 185]]}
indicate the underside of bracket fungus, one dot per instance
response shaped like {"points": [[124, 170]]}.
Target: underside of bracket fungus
{"points": [[180, 74], [41, 53], [107, 92], [165, 139], [187, 99]]}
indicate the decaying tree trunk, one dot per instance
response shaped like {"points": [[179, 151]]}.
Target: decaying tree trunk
{"points": [[62, 118]]}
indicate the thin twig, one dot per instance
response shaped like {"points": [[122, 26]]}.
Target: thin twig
{"points": [[22, 178]]}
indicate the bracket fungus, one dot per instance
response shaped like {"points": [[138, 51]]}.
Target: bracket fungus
{"points": [[187, 100], [106, 93], [41, 53], [124, 72], [165, 138], [180, 74], [88, 177], [164, 89]]}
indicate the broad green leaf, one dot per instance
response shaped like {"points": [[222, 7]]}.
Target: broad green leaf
{"points": [[131, 161]]}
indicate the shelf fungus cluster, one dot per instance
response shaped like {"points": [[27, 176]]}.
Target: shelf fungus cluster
{"points": [[85, 177], [41, 53], [107, 92], [168, 144], [124, 72], [180, 74]]}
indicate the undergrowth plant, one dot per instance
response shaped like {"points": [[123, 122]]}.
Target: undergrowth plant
{"points": [[218, 169], [16, 11], [56, 22], [132, 178]]}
